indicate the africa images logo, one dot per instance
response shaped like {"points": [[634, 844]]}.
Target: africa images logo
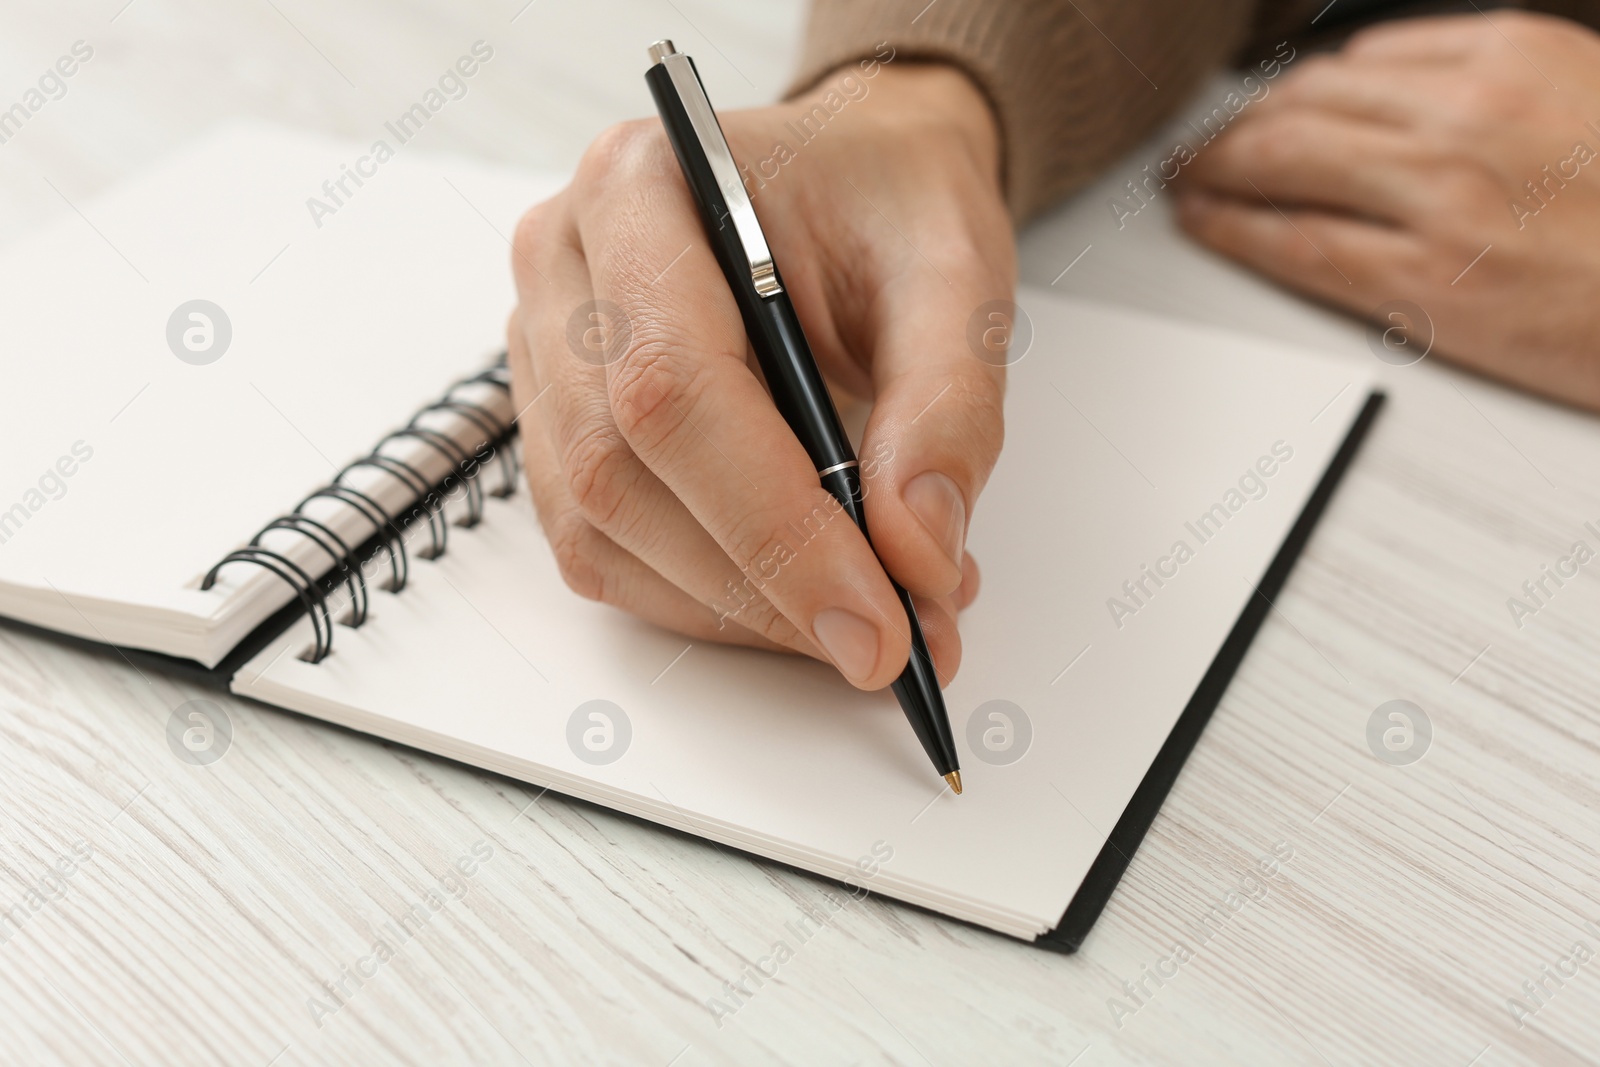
{"points": [[199, 332], [199, 732], [1399, 733]]}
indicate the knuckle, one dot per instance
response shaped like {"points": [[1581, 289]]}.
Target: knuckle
{"points": [[764, 543], [767, 621], [969, 256], [1273, 146], [652, 386], [1489, 102], [624, 153], [749, 541], [599, 468], [756, 611], [534, 229], [745, 602], [576, 546], [1463, 182], [1480, 101]]}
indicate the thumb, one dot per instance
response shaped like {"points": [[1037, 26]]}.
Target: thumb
{"points": [[937, 424]]}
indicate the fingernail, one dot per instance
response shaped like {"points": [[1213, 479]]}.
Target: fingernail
{"points": [[936, 502], [849, 640]]}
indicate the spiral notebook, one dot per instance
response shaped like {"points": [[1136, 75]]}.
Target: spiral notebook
{"points": [[270, 446]]}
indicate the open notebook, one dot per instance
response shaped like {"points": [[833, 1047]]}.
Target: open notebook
{"points": [[1157, 482]]}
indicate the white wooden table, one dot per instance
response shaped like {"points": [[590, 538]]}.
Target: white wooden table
{"points": [[219, 905]]}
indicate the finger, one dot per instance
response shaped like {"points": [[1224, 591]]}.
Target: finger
{"points": [[937, 617], [528, 243], [613, 489], [1312, 158], [1392, 96], [592, 564], [967, 591], [938, 420], [1444, 39], [691, 409], [1345, 261]]}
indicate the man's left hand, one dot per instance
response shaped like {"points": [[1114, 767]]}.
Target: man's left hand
{"points": [[1450, 162]]}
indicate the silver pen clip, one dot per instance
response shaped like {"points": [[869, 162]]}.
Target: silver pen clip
{"points": [[725, 170]]}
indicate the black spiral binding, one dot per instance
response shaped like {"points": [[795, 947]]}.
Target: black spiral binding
{"points": [[388, 530]]}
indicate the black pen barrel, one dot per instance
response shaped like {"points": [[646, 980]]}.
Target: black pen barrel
{"points": [[780, 345], [796, 384], [799, 393]]}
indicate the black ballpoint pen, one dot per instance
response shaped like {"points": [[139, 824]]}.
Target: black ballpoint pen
{"points": [[791, 372]]}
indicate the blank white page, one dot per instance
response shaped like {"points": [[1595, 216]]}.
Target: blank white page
{"points": [[1122, 428], [339, 332]]}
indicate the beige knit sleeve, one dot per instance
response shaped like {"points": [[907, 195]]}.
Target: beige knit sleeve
{"points": [[1074, 83]]}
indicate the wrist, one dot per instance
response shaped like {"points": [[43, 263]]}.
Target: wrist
{"points": [[918, 99]]}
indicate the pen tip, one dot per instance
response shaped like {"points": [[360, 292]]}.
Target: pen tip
{"points": [[954, 778]]}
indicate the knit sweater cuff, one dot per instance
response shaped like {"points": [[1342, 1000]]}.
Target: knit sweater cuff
{"points": [[1073, 84]]}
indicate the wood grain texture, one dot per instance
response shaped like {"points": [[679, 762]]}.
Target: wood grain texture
{"points": [[218, 903]]}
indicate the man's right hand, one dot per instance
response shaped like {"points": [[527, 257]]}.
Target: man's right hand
{"points": [[667, 483]]}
